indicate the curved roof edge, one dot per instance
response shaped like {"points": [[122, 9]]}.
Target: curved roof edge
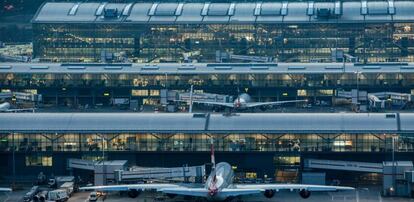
{"points": [[215, 123], [227, 13]]}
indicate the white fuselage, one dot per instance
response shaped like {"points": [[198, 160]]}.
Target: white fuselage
{"points": [[242, 100], [220, 178], [4, 106]]}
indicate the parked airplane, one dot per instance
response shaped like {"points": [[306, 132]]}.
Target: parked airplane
{"points": [[219, 186], [5, 189], [5, 107], [244, 101]]}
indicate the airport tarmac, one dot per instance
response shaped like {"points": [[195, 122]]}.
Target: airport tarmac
{"points": [[360, 195]]}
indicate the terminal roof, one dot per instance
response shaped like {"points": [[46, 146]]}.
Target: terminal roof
{"points": [[199, 123], [224, 13], [205, 68]]}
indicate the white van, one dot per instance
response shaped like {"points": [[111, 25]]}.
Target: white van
{"points": [[59, 195]]}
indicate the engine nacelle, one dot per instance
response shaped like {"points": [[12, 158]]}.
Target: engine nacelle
{"points": [[133, 193], [269, 193], [42, 198], [171, 196], [304, 193]]}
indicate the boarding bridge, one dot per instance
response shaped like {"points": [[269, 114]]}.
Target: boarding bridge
{"points": [[81, 164], [160, 173], [378, 100], [21, 96], [168, 96], [6, 95], [355, 94], [344, 165], [117, 170]]}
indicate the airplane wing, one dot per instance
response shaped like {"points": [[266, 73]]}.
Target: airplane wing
{"points": [[277, 187], [258, 104], [21, 110], [127, 187], [203, 192], [5, 189], [223, 104]]}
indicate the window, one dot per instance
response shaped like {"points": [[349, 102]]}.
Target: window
{"points": [[154, 92], [39, 161], [139, 92], [251, 175], [326, 92], [302, 93]]}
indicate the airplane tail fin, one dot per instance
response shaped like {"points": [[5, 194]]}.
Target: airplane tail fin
{"points": [[213, 159]]}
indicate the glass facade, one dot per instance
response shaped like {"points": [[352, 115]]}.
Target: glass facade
{"points": [[369, 42], [180, 142], [249, 80]]}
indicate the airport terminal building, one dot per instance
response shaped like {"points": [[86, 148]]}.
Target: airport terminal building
{"points": [[365, 31], [274, 145], [80, 84]]}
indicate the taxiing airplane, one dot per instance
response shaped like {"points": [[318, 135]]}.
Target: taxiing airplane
{"points": [[219, 186], [244, 101], [5, 107]]}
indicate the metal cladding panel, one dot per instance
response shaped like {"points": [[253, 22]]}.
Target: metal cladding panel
{"points": [[271, 8], [244, 13], [27, 122], [378, 8], [266, 9], [52, 12], [376, 18], [99, 122], [191, 13], [351, 12], [297, 12], [303, 122], [84, 12], [218, 9], [164, 13], [378, 11], [407, 121], [167, 9], [216, 19], [139, 13], [162, 19], [404, 10]]}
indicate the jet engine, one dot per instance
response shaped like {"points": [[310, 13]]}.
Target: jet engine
{"points": [[133, 193], [269, 193], [304, 193]]}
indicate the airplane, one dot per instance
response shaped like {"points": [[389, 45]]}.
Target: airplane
{"points": [[5, 107], [218, 187], [244, 101]]}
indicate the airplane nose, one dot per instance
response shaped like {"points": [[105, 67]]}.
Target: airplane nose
{"points": [[212, 191]]}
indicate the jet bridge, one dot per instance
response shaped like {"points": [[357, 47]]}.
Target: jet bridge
{"points": [[378, 100], [344, 165], [143, 173], [117, 170]]}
